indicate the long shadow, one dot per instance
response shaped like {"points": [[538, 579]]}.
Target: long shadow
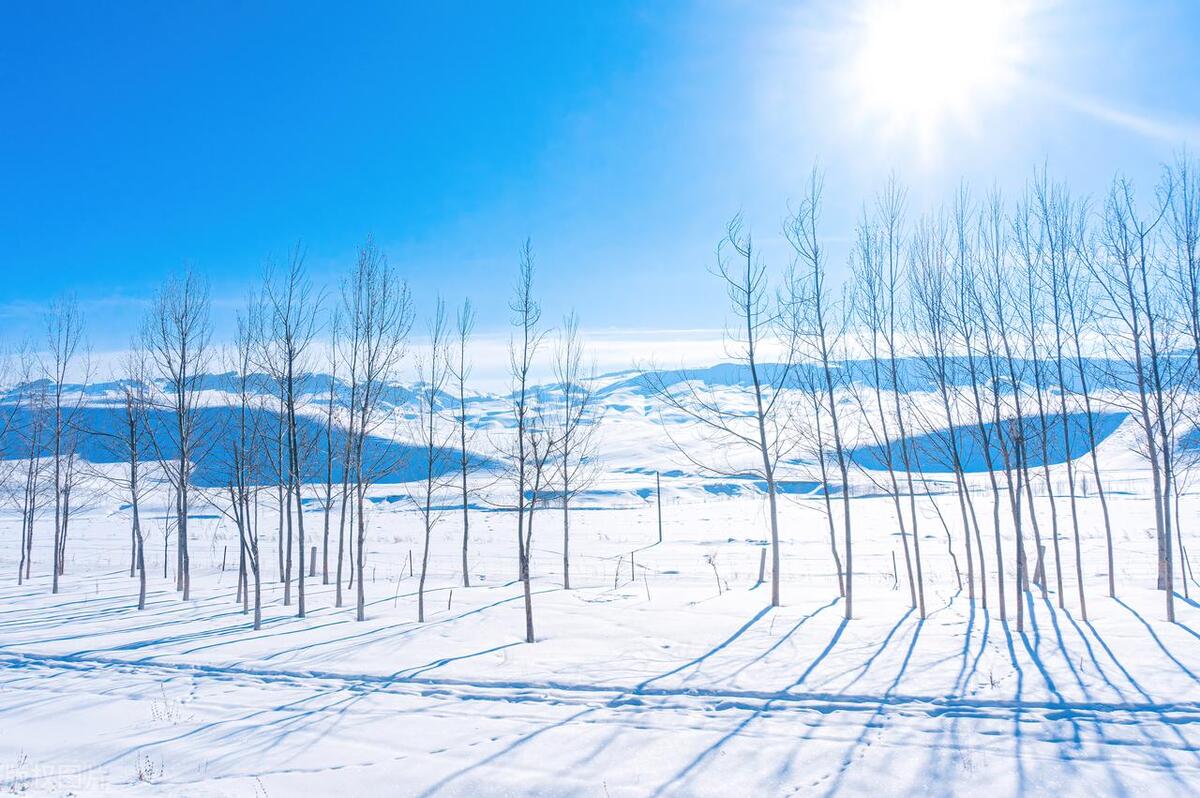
{"points": [[1091, 652], [1187, 600], [1035, 656], [1158, 641], [1022, 787], [700, 758], [872, 722], [256, 736], [506, 750], [1164, 761], [412, 673], [983, 641], [785, 637], [1181, 624], [1185, 744], [1117, 786], [135, 645], [265, 633], [157, 613], [591, 755], [1120, 666], [967, 668], [866, 666], [396, 630], [741, 630]]}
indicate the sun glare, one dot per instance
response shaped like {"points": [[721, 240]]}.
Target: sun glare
{"points": [[921, 65]]}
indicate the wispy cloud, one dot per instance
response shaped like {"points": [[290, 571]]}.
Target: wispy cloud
{"points": [[1156, 128]]}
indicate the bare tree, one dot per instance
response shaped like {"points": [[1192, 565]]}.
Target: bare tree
{"points": [[377, 311], [1123, 271], [347, 350], [248, 473], [877, 263], [818, 328], [1183, 244], [528, 433], [176, 335], [292, 309], [34, 399], [64, 341], [979, 334], [999, 311], [128, 441], [460, 371], [330, 431], [737, 443], [434, 438], [243, 455], [1057, 215], [944, 316], [1040, 258], [808, 381], [1080, 309], [576, 463]]}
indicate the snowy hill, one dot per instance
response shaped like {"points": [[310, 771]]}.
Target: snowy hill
{"points": [[639, 431]]}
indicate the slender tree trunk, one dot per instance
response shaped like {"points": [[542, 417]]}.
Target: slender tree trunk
{"points": [[837, 561], [1068, 453], [658, 502], [893, 482], [57, 486], [424, 563], [566, 538], [840, 454], [360, 560], [137, 534], [341, 545]]}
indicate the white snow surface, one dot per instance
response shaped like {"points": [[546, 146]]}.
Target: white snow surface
{"points": [[664, 671]]}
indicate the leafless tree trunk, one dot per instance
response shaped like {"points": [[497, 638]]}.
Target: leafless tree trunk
{"points": [[1123, 273], [938, 303], [821, 333], [813, 389], [434, 440], [129, 442], [996, 302], [766, 433], [460, 370], [177, 337], [347, 351], [523, 348], [291, 327], [64, 338], [876, 273], [576, 426], [1040, 253], [245, 454], [1057, 215], [377, 312], [1078, 298], [34, 399], [1183, 241], [331, 458], [972, 328]]}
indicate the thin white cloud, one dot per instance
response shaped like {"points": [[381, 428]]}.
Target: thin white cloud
{"points": [[1174, 132]]}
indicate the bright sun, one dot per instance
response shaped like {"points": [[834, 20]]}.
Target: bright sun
{"points": [[920, 65]]}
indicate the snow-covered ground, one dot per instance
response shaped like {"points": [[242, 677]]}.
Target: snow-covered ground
{"points": [[663, 672], [671, 676]]}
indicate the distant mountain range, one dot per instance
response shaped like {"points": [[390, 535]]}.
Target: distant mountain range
{"points": [[629, 396]]}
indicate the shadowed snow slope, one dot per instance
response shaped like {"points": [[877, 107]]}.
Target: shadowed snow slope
{"points": [[93, 428], [976, 447]]}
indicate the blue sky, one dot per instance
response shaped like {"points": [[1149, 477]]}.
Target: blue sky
{"points": [[619, 136]]}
